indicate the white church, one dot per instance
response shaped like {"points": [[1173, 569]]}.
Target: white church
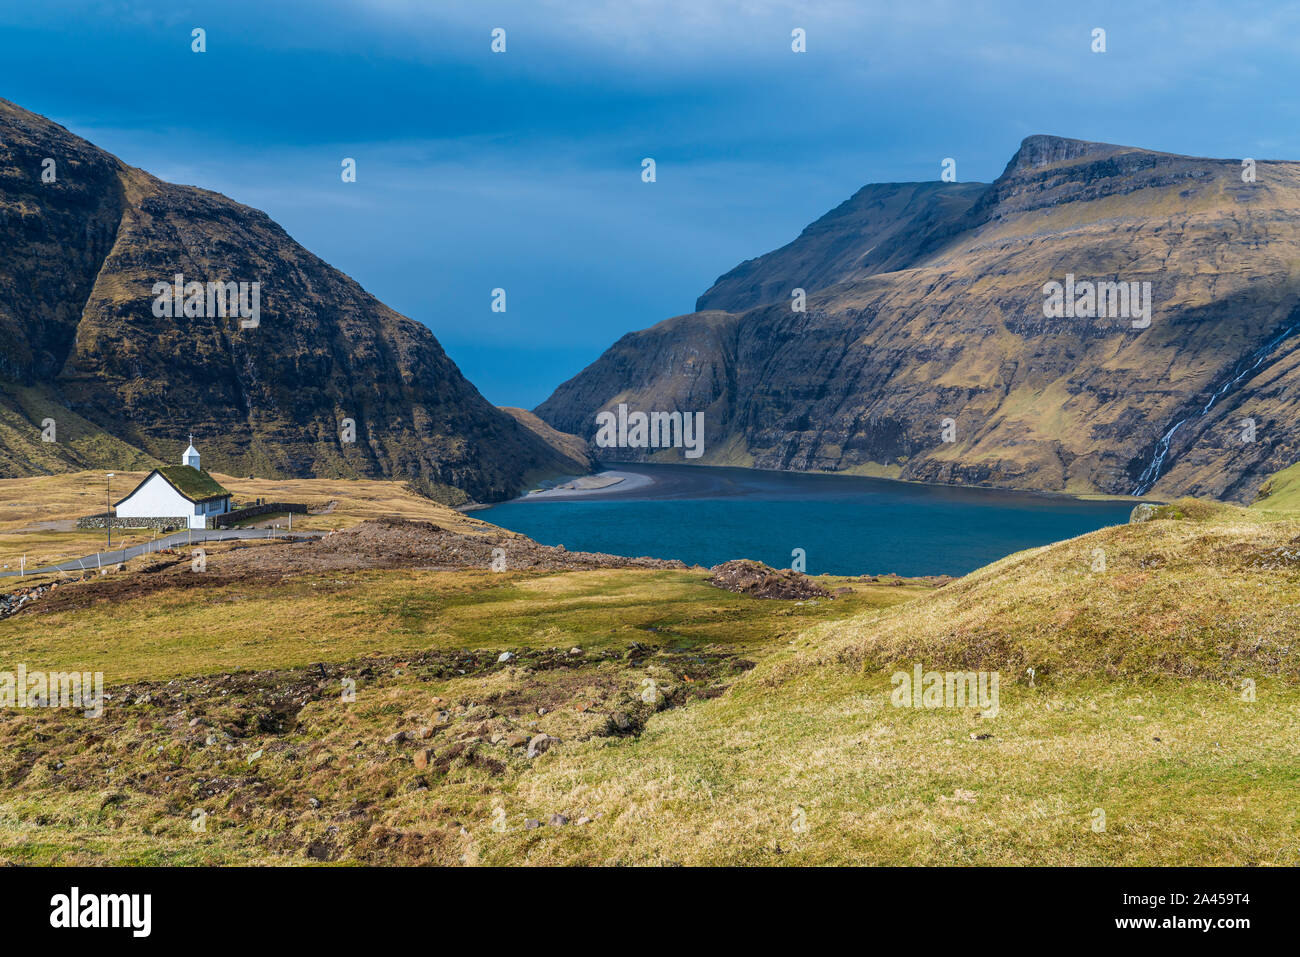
{"points": [[182, 491]]}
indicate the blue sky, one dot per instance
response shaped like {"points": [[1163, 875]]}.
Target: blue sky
{"points": [[522, 170]]}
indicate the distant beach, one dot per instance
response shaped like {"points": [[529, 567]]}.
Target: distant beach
{"points": [[587, 486]]}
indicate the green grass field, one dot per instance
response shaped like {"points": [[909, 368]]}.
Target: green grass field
{"points": [[1160, 723]]}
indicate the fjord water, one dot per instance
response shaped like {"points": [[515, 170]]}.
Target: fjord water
{"points": [[846, 525]]}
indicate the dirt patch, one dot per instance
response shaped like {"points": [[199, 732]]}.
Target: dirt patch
{"points": [[757, 580], [402, 543], [58, 525], [375, 544]]}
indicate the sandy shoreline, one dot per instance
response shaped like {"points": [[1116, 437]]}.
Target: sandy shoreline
{"points": [[587, 486]]}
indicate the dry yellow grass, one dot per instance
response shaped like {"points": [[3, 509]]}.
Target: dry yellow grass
{"points": [[35, 512], [1160, 726]]}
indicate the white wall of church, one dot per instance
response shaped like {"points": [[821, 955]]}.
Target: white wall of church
{"points": [[155, 499]]}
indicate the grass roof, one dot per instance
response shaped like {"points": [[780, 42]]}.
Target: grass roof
{"points": [[195, 484]]}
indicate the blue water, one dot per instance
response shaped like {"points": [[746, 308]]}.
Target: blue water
{"points": [[846, 525]]}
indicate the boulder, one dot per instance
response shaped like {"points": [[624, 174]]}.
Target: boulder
{"points": [[539, 744], [1142, 513]]}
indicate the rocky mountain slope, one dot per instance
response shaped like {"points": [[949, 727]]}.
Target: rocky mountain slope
{"points": [[81, 343], [925, 321]]}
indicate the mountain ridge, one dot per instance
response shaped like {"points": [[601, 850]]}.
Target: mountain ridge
{"points": [[928, 305]]}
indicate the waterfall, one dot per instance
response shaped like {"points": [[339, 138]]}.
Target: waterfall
{"points": [[1151, 474]]}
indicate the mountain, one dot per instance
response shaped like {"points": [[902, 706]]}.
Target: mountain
{"points": [[572, 445], [82, 343], [925, 320]]}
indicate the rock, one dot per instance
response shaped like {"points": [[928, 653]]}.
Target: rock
{"points": [[979, 737], [313, 803], [532, 823], [558, 820], [620, 721], [583, 820], [575, 651], [397, 738], [442, 718], [504, 657], [422, 758], [425, 733], [497, 737], [1142, 513], [539, 744]]}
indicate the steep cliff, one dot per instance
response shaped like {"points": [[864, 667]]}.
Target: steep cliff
{"points": [[81, 342], [925, 321]]}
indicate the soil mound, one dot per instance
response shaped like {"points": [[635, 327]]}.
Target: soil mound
{"points": [[762, 581]]}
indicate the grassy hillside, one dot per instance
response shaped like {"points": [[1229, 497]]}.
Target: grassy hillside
{"points": [[226, 701], [77, 443], [1281, 492], [1140, 707], [692, 725]]}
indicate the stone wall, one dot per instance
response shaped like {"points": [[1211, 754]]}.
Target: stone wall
{"points": [[252, 511], [165, 524]]}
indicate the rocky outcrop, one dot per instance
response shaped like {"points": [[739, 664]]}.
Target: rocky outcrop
{"points": [[81, 343], [924, 352]]}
